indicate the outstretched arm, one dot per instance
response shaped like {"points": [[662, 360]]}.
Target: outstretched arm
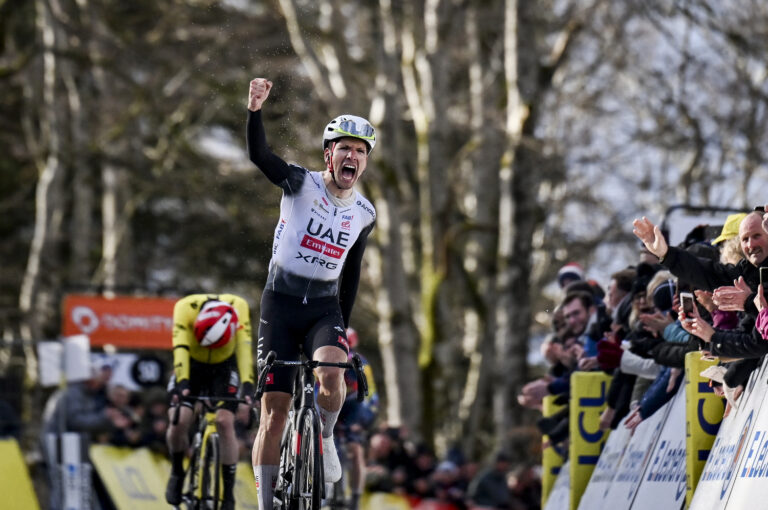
{"points": [[259, 153]]}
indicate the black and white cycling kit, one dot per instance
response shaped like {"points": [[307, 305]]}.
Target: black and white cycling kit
{"points": [[317, 253]]}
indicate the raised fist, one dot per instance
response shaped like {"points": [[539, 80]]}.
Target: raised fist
{"points": [[258, 93]]}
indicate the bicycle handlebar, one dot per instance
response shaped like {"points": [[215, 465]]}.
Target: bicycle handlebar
{"points": [[270, 361], [206, 399]]}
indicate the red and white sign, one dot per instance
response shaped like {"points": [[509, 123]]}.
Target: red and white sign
{"points": [[129, 322]]}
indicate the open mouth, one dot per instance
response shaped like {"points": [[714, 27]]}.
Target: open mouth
{"points": [[348, 171]]}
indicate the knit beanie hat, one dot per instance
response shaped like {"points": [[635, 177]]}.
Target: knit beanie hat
{"points": [[569, 272]]}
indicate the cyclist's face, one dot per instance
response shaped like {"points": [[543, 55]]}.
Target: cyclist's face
{"points": [[348, 158]]}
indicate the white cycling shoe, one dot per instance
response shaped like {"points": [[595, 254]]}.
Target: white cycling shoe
{"points": [[331, 464]]}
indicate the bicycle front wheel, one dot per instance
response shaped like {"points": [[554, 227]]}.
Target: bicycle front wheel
{"points": [[211, 474], [309, 476]]}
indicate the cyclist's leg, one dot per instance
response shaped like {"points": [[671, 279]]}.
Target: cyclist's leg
{"points": [[225, 425], [278, 318], [266, 447], [226, 383], [177, 438], [329, 344], [356, 472]]}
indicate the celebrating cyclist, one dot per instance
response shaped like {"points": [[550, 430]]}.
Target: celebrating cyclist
{"points": [[313, 276], [211, 356]]}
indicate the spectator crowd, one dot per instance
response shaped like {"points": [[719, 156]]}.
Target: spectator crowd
{"points": [[638, 331]]}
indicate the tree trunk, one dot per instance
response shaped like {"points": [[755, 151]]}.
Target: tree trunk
{"points": [[508, 355], [398, 336], [480, 256]]}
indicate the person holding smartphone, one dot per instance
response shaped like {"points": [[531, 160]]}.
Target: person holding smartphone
{"points": [[731, 284]]}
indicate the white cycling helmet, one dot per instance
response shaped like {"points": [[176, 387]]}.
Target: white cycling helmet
{"points": [[351, 126]]}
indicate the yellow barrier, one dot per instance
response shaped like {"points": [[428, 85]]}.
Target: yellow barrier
{"points": [[551, 461], [130, 476], [137, 478], [15, 484], [383, 501], [588, 394], [703, 415], [245, 488]]}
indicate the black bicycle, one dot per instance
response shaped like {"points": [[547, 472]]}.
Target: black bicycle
{"points": [[202, 478], [300, 480]]}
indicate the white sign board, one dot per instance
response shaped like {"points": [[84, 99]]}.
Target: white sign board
{"points": [[49, 361], [560, 497], [637, 454], [663, 483], [77, 358], [717, 479], [606, 468], [751, 476]]}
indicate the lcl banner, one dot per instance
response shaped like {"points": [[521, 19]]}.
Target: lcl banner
{"points": [[128, 322]]}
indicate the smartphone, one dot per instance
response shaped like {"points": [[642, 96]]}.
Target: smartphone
{"points": [[763, 276], [686, 300]]}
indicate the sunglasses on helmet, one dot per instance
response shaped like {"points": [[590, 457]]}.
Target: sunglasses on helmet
{"points": [[351, 128]]}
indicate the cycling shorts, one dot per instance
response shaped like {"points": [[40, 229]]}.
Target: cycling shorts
{"points": [[290, 327], [213, 380]]}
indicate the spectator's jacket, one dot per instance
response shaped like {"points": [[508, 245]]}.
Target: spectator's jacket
{"points": [[75, 409], [722, 319], [674, 332], [708, 274], [672, 354], [186, 346], [679, 342], [657, 395], [490, 489], [636, 365], [737, 343], [739, 371], [761, 323]]}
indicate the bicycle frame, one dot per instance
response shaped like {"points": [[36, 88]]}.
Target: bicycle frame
{"points": [[207, 462], [203, 482]]}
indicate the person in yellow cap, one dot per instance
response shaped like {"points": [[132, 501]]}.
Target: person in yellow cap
{"points": [[728, 240]]}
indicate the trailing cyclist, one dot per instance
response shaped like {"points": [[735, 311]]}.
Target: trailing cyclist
{"points": [[211, 356], [355, 420], [313, 276]]}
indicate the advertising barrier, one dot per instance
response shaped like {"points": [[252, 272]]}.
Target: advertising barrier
{"points": [[663, 482], [560, 496], [551, 460], [382, 501], [136, 478], [687, 439], [15, 484], [606, 469], [588, 393], [130, 477], [717, 478], [703, 415], [623, 488], [751, 477]]}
